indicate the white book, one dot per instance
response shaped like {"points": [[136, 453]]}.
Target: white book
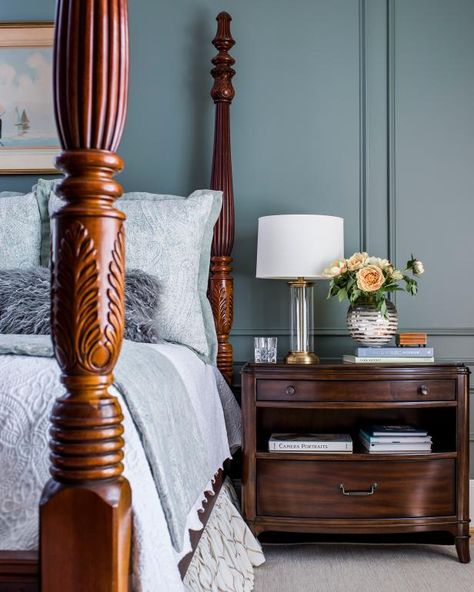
{"points": [[379, 360], [310, 443], [396, 447], [395, 440]]}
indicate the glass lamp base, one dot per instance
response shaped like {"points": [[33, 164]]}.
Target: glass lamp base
{"points": [[301, 357]]}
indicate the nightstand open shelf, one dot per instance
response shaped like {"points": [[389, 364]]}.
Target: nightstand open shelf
{"points": [[359, 492], [356, 456]]}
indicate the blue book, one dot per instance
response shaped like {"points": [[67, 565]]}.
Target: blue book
{"points": [[394, 352], [374, 431]]}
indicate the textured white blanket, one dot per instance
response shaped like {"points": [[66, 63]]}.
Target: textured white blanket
{"points": [[28, 387]]}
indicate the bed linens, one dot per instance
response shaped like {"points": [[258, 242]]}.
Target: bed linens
{"points": [[170, 237], [25, 306], [160, 407], [28, 387], [20, 231]]}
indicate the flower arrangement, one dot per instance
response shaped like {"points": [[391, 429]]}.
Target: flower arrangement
{"points": [[363, 278]]}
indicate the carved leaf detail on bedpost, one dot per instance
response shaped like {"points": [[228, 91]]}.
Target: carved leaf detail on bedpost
{"points": [[116, 294], [87, 494], [80, 343], [220, 282]]}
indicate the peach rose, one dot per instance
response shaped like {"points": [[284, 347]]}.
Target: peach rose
{"points": [[356, 261], [370, 278]]}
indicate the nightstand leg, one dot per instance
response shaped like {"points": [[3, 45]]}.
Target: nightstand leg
{"points": [[462, 548]]}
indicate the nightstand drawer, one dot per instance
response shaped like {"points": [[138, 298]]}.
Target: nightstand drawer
{"points": [[356, 489], [357, 390]]}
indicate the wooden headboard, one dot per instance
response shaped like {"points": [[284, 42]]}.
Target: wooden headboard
{"points": [[88, 494]]}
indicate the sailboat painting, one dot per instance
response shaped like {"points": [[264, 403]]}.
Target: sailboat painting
{"points": [[28, 137]]}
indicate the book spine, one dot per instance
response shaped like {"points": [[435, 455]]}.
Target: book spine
{"points": [[401, 448], [383, 360], [282, 446], [394, 352], [399, 440]]}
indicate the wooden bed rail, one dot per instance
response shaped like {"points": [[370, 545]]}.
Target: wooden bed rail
{"points": [[221, 287], [85, 515]]}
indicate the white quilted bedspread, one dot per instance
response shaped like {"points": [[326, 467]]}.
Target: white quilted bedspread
{"points": [[28, 387]]}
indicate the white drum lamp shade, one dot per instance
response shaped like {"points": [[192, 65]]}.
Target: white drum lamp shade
{"points": [[298, 245], [297, 248]]}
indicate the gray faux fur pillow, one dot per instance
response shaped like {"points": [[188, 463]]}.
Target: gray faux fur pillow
{"points": [[25, 305]]}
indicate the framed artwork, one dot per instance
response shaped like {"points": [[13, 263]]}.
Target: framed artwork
{"points": [[28, 138]]}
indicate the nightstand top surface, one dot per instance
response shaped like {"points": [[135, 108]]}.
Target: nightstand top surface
{"points": [[346, 367]]}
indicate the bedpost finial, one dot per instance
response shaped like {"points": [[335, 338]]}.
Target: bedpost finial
{"points": [[223, 39], [223, 91]]}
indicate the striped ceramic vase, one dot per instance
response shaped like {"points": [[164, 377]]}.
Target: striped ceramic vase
{"points": [[370, 327]]}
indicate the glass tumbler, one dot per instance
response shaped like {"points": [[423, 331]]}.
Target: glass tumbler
{"points": [[265, 350]]}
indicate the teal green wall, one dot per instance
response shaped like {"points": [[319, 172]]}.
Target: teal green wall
{"points": [[357, 108]]}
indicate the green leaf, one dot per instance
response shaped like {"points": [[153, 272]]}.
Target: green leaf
{"points": [[342, 294]]}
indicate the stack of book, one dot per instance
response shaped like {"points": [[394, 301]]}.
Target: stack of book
{"points": [[311, 443], [401, 439], [391, 355]]}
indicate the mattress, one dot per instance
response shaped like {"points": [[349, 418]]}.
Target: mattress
{"points": [[28, 386]]}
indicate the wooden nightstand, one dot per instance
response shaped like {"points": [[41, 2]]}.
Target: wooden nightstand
{"points": [[296, 492]]}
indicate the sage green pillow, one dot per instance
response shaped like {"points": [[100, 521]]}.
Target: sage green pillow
{"points": [[20, 231], [170, 237]]}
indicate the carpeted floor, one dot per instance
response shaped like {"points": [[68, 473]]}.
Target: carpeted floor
{"points": [[363, 568]]}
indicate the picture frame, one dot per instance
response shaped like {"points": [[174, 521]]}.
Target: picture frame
{"points": [[29, 141]]}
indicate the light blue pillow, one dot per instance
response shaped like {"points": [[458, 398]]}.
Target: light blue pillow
{"points": [[43, 190], [170, 237], [20, 231]]}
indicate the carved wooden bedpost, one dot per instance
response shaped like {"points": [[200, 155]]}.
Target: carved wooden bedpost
{"points": [[85, 516], [221, 287]]}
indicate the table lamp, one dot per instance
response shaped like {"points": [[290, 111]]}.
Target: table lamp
{"points": [[296, 248]]}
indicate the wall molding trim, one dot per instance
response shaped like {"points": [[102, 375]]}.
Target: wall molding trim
{"points": [[391, 140], [343, 332], [363, 210]]}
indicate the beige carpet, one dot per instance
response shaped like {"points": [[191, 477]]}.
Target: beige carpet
{"points": [[363, 568]]}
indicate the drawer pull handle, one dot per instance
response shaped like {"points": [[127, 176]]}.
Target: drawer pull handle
{"points": [[290, 390], [371, 491], [424, 390]]}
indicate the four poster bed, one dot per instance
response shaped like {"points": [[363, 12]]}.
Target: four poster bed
{"points": [[85, 512]]}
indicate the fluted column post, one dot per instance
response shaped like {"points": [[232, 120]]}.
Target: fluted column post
{"points": [[85, 515], [221, 288]]}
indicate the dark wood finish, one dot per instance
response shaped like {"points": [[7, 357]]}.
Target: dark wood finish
{"points": [[384, 390], [85, 510], [221, 288], [19, 571], [401, 488], [422, 493]]}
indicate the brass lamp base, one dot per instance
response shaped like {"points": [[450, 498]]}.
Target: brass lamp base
{"points": [[301, 357]]}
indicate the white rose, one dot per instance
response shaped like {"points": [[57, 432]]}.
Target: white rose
{"points": [[336, 268], [418, 268], [377, 261], [396, 275]]}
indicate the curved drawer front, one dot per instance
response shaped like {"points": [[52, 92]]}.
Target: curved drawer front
{"points": [[356, 390], [358, 489]]}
